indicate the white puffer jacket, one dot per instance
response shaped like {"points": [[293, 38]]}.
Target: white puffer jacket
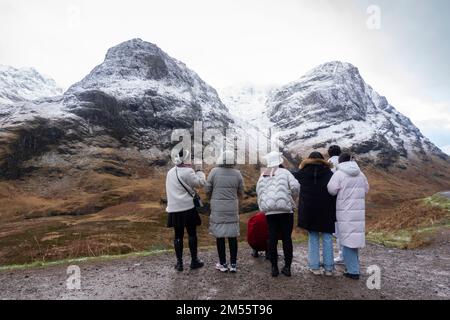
{"points": [[276, 189], [351, 186]]}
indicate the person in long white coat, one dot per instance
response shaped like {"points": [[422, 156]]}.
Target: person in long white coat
{"points": [[351, 186]]}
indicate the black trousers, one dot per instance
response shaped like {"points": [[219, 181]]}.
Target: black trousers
{"points": [[190, 228], [189, 222], [233, 244], [280, 224]]}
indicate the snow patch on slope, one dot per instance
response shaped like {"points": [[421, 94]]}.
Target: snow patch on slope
{"points": [[25, 84], [247, 103]]}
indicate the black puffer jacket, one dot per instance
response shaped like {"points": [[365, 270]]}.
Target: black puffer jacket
{"points": [[317, 208]]}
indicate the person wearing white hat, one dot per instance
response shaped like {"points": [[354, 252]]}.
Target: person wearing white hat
{"points": [[277, 190], [225, 187], [181, 182]]}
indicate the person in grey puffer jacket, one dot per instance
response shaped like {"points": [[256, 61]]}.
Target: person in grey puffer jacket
{"points": [[277, 190], [225, 186]]}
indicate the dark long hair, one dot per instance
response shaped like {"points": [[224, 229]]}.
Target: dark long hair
{"points": [[345, 157], [316, 155], [334, 150]]}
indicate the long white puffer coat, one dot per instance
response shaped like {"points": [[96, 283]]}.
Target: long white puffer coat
{"points": [[276, 189], [351, 186]]}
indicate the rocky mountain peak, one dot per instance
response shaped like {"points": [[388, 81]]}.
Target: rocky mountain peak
{"points": [[25, 84], [133, 59], [333, 68], [133, 46], [332, 104], [334, 88], [150, 87], [133, 101], [335, 73], [143, 65]]}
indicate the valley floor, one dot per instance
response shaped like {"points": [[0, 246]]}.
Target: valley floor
{"points": [[405, 274]]}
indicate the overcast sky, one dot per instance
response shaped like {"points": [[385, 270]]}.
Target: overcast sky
{"points": [[258, 41]]}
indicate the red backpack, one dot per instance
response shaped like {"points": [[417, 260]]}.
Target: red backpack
{"points": [[258, 232]]}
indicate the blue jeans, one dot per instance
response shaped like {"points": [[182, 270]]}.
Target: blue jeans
{"points": [[314, 251], [351, 260]]}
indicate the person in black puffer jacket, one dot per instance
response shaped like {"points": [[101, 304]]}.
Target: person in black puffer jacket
{"points": [[317, 210]]}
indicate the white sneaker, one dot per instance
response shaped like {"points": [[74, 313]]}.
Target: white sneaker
{"points": [[330, 273], [338, 260], [316, 272], [222, 267], [233, 268]]}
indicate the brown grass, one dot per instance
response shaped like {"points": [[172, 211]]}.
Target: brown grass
{"points": [[86, 213]]}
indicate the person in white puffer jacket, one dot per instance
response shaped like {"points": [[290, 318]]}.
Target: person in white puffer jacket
{"points": [[277, 191], [351, 186]]}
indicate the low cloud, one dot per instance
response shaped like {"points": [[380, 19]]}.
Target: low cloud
{"points": [[446, 149]]}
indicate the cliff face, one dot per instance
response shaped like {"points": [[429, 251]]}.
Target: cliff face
{"points": [[129, 104]]}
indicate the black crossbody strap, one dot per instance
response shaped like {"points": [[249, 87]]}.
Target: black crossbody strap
{"points": [[179, 180]]}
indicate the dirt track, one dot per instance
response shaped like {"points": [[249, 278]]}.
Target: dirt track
{"points": [[418, 274]]}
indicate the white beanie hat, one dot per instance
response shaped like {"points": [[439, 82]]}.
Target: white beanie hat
{"points": [[273, 159], [181, 159]]}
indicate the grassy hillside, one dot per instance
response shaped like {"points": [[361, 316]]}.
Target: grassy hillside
{"points": [[47, 217]]}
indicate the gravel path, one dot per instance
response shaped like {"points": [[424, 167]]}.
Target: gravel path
{"points": [[418, 274]]}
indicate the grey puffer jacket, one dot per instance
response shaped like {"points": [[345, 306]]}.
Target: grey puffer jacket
{"points": [[277, 188], [224, 186]]}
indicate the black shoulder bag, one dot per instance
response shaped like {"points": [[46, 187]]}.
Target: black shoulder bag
{"points": [[196, 198]]}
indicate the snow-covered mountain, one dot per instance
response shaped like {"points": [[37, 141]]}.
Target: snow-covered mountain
{"points": [[120, 117], [130, 103], [25, 84], [160, 88], [332, 104]]}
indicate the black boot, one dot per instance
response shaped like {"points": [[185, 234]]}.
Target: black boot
{"points": [[195, 261], [286, 270], [287, 266], [178, 245], [268, 250], [351, 276], [275, 271], [255, 253]]}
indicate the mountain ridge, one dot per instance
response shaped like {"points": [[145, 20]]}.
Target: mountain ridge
{"points": [[332, 104], [25, 84], [139, 93], [130, 103]]}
